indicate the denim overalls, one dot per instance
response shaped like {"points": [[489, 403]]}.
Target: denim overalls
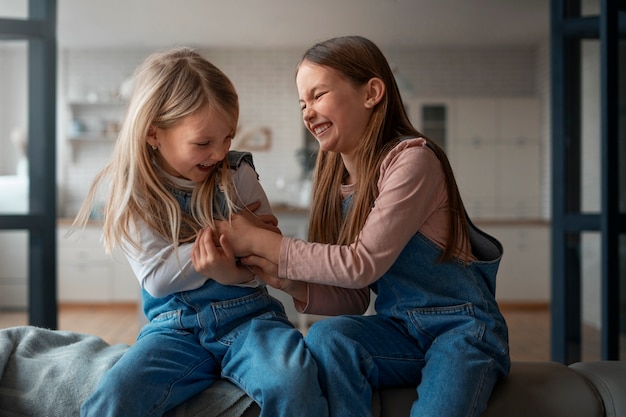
{"points": [[195, 337], [437, 327]]}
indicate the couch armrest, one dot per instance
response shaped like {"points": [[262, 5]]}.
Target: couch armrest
{"points": [[541, 389], [538, 389], [609, 380]]}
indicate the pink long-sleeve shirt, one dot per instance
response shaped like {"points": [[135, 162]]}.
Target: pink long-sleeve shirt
{"points": [[412, 197]]}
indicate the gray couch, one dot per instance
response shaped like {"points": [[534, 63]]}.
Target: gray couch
{"points": [[534, 389], [73, 363]]}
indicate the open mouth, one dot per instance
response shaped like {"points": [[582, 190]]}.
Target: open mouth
{"points": [[321, 128]]}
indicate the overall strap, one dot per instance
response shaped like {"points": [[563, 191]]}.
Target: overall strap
{"points": [[235, 158]]}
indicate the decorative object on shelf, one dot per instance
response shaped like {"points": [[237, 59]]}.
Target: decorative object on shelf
{"points": [[306, 158], [255, 139], [77, 127], [307, 155]]}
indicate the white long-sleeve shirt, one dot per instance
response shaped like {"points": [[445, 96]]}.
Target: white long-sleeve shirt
{"points": [[160, 268]]}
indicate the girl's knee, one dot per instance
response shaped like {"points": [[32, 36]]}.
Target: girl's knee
{"points": [[331, 329], [314, 332]]}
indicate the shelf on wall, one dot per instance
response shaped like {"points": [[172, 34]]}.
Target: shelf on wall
{"points": [[88, 138], [92, 137]]}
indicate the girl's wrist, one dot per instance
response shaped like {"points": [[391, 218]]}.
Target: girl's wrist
{"points": [[257, 239]]}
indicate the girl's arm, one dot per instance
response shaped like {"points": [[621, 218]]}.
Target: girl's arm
{"points": [[412, 197], [160, 268], [313, 298], [412, 194]]}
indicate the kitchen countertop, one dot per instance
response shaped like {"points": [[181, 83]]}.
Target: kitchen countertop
{"points": [[278, 209]]}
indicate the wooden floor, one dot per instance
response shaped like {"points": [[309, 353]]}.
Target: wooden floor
{"points": [[529, 328]]}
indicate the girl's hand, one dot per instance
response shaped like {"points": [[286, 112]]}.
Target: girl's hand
{"points": [[217, 261], [265, 269], [246, 229], [268, 272]]}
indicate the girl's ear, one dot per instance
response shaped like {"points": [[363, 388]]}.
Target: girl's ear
{"points": [[375, 92], [151, 138]]}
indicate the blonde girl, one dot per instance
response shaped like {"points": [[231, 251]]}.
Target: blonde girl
{"points": [[171, 175]]}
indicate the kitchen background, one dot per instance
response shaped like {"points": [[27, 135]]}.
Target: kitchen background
{"points": [[488, 104]]}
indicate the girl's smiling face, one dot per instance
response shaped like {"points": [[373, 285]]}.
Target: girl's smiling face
{"points": [[191, 148], [333, 109]]}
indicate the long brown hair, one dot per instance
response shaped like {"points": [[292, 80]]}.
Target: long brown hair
{"points": [[168, 86], [359, 60]]}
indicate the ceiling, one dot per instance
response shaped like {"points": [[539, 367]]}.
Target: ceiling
{"points": [[297, 23]]}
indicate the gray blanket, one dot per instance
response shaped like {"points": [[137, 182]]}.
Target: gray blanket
{"points": [[45, 373]]}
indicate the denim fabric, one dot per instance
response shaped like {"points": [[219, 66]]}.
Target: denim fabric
{"points": [[437, 327], [195, 337]]}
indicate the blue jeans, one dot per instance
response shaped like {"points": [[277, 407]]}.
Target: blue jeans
{"points": [[438, 329], [192, 342]]}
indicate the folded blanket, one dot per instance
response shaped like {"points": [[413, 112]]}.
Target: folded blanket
{"points": [[46, 373]]}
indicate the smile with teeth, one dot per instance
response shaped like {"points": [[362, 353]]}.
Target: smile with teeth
{"points": [[204, 165], [321, 128]]}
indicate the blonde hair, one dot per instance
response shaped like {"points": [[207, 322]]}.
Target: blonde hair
{"points": [[359, 60], [168, 86]]}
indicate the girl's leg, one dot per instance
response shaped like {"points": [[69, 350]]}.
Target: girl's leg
{"points": [[270, 362], [458, 377], [357, 353], [161, 370]]}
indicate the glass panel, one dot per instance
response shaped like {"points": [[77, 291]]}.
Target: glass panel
{"points": [[590, 8], [13, 127], [591, 295], [621, 125], [621, 128], [14, 9], [622, 296], [590, 127], [13, 270]]}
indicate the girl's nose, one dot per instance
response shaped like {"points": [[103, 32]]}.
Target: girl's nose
{"points": [[308, 113], [217, 153]]}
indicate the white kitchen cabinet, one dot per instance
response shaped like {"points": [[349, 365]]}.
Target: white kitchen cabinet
{"points": [[496, 156], [86, 273], [494, 147], [524, 274], [518, 187], [472, 153], [474, 119]]}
